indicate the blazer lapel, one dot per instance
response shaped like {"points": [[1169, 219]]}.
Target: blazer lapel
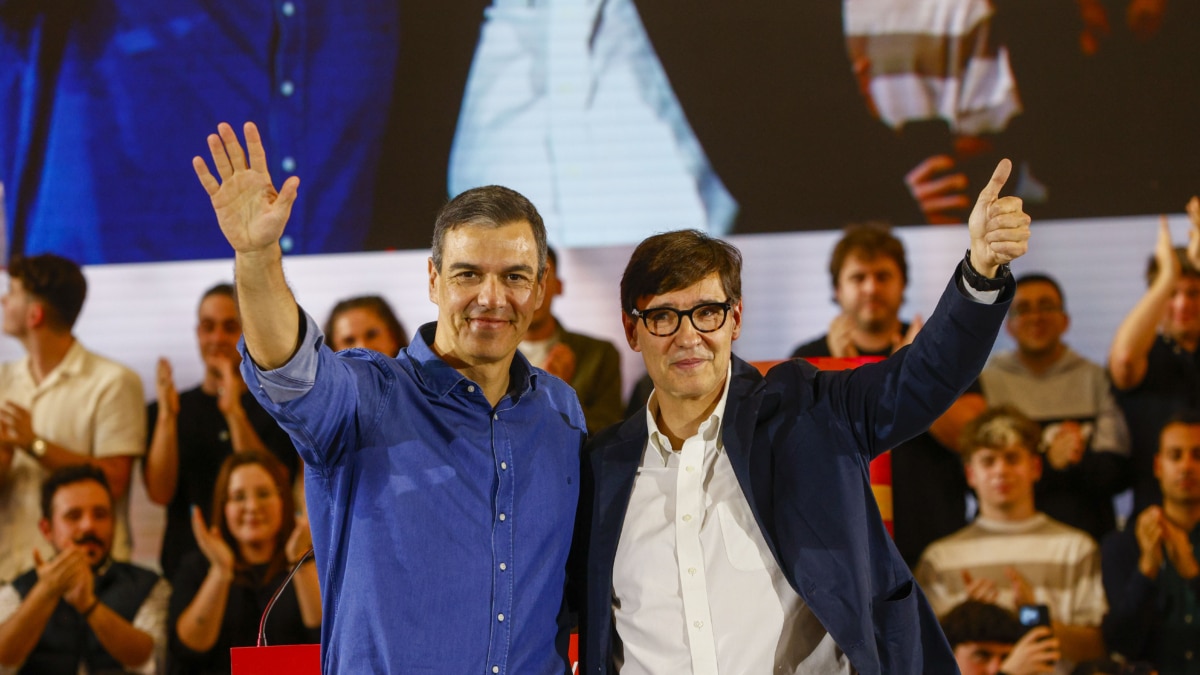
{"points": [[619, 463]]}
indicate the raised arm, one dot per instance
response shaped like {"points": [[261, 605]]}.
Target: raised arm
{"points": [[1127, 357], [252, 216], [160, 468]]}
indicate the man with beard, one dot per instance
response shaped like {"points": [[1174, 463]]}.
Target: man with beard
{"points": [[192, 433], [1150, 571], [80, 611], [869, 272]]}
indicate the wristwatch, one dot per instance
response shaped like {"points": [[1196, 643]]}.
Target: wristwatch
{"points": [[981, 283], [37, 448]]}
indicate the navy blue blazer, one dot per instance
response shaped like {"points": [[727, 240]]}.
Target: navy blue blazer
{"points": [[800, 442]]}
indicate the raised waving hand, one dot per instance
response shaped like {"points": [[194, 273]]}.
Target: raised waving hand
{"points": [[251, 213]]}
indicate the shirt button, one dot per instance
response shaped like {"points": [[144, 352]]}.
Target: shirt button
{"points": [[692, 570], [500, 617], [503, 567], [495, 669], [288, 9], [691, 469], [504, 466], [687, 518], [496, 416], [471, 388], [287, 88], [288, 164], [698, 624], [502, 516]]}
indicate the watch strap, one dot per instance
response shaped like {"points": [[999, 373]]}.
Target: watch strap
{"points": [[981, 283]]}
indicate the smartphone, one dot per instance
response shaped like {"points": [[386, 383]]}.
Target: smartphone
{"points": [[1032, 616]]}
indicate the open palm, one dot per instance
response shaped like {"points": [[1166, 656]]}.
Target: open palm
{"points": [[251, 213]]}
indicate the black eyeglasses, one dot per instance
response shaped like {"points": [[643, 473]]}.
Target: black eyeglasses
{"points": [[665, 321]]}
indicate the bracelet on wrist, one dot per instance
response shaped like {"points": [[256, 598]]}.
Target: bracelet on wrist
{"points": [[91, 608]]}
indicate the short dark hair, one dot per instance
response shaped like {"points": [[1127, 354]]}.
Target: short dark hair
{"points": [[867, 240], [371, 303], [675, 260], [997, 428], [489, 206], [69, 475], [1186, 416], [1186, 268], [55, 281], [224, 289], [1042, 278], [976, 621]]}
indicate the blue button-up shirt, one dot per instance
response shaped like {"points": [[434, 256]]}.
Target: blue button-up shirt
{"points": [[441, 525], [103, 105]]}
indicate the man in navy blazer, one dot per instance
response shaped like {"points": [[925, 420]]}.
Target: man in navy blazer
{"points": [[732, 524]]}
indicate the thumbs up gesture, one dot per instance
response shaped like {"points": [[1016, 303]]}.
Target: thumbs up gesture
{"points": [[998, 225]]}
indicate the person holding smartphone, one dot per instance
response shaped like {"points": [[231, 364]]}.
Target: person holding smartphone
{"points": [[988, 640]]}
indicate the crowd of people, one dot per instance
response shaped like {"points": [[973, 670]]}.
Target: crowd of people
{"points": [[728, 524]]}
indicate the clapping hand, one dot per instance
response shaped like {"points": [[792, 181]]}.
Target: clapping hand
{"points": [[213, 545], [299, 542]]}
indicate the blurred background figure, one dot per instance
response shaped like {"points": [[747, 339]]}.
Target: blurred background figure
{"points": [[935, 72], [222, 589], [191, 433], [80, 611], [365, 321], [1151, 574], [592, 367], [989, 640], [1085, 443]]}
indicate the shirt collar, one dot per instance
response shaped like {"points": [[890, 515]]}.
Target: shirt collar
{"points": [[72, 364], [442, 378], [710, 429]]}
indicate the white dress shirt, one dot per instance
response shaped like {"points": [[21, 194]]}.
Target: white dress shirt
{"points": [[567, 103], [695, 587]]}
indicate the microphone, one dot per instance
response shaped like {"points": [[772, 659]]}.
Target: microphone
{"points": [[262, 624]]}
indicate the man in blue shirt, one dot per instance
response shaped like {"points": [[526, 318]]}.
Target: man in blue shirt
{"points": [[441, 484]]}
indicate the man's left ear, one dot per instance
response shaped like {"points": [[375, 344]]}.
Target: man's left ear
{"points": [[735, 315], [44, 528]]}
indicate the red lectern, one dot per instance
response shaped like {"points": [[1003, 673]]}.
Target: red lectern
{"points": [[281, 660]]}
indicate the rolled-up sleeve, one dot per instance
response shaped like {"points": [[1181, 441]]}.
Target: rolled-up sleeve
{"points": [[294, 378]]}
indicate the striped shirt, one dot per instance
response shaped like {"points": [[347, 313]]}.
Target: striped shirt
{"points": [[1061, 564]]}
